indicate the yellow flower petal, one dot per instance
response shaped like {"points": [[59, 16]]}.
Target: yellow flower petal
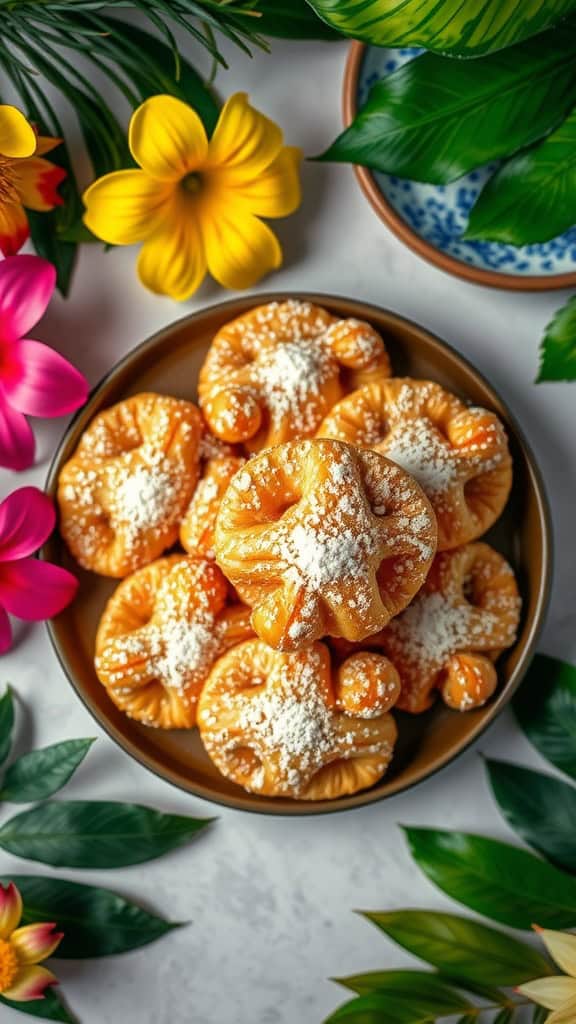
{"points": [[550, 992], [562, 949], [125, 207], [274, 193], [17, 137], [31, 983], [10, 909], [565, 1015], [46, 143], [167, 138], [37, 182], [13, 229], [36, 942], [244, 139], [240, 249], [172, 262]]}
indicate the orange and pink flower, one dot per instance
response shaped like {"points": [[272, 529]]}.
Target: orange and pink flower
{"points": [[22, 950]]}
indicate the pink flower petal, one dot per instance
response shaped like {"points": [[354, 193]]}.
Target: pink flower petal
{"points": [[26, 287], [5, 635], [10, 909], [31, 983], [27, 518], [17, 445], [34, 590], [38, 381], [35, 942]]}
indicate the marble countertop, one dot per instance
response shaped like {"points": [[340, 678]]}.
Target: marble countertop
{"points": [[270, 901]]}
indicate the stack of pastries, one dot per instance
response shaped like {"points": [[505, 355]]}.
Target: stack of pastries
{"points": [[297, 557]]}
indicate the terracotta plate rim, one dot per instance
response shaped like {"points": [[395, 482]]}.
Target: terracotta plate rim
{"points": [[302, 809], [403, 231]]}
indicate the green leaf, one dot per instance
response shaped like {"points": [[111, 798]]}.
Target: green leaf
{"points": [[414, 991], [500, 881], [540, 808], [463, 29], [539, 1015], [96, 922], [558, 348], [380, 1008], [461, 947], [532, 198], [545, 708], [504, 1017], [50, 1007], [290, 19], [41, 773], [95, 834], [435, 119], [6, 723]]}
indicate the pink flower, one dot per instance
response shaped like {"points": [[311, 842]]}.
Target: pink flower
{"points": [[22, 949], [29, 589], [34, 380]]}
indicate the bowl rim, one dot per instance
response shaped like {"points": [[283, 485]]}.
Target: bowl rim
{"points": [[406, 234], [365, 797]]}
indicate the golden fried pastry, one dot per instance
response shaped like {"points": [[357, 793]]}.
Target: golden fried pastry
{"points": [[161, 632], [466, 614], [125, 489], [321, 538], [198, 524], [273, 374], [458, 454], [292, 725]]}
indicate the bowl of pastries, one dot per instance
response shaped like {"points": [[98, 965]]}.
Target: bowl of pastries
{"points": [[313, 550]]}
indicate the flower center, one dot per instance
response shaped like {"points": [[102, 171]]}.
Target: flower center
{"points": [[8, 965], [8, 192], [191, 183]]}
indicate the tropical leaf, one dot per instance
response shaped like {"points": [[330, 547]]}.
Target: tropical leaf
{"points": [[504, 1017], [463, 29], [378, 1008], [540, 808], [409, 993], [41, 773], [539, 1015], [462, 948], [96, 922], [291, 19], [6, 723], [545, 708], [500, 881], [95, 834], [558, 348], [50, 1007], [532, 198], [434, 119]]}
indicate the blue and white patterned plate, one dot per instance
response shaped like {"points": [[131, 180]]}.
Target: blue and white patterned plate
{"points": [[439, 213]]}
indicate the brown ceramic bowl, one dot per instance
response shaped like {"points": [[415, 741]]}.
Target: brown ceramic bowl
{"points": [[401, 228], [169, 362]]}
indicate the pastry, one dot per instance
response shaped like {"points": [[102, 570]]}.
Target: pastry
{"points": [[321, 538], [161, 632], [459, 454], [466, 614], [125, 489], [292, 725], [218, 465], [273, 374]]}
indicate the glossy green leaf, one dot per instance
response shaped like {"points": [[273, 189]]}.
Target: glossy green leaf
{"points": [[540, 808], [532, 198], [558, 348], [41, 773], [504, 1017], [6, 723], [500, 881], [290, 19], [435, 118], [539, 1015], [49, 1008], [461, 947], [463, 29], [384, 1008], [413, 991], [545, 707], [96, 922], [95, 834]]}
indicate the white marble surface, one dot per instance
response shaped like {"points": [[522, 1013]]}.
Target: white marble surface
{"points": [[271, 901]]}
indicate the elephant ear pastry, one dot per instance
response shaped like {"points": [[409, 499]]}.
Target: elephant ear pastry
{"points": [[458, 454], [322, 538], [125, 489], [282, 724], [160, 634], [465, 616], [272, 375]]}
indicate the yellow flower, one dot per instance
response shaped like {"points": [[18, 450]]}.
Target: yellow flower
{"points": [[557, 993], [26, 180], [195, 203], [22, 949]]}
